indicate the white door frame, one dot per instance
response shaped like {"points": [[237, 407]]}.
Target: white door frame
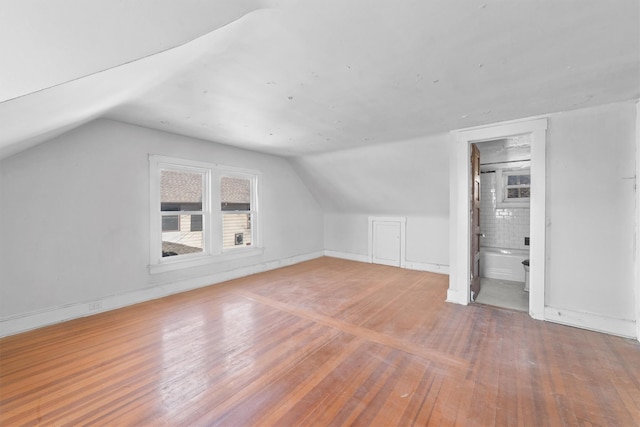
{"points": [[637, 221], [403, 231], [459, 226]]}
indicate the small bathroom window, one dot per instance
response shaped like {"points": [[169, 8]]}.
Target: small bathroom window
{"points": [[515, 188]]}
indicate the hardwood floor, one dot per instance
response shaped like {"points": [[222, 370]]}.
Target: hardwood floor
{"points": [[322, 343]]}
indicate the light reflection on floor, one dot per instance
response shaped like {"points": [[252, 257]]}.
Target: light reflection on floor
{"points": [[184, 362], [238, 321], [185, 373]]}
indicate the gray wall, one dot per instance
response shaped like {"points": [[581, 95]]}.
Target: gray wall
{"points": [[75, 215]]}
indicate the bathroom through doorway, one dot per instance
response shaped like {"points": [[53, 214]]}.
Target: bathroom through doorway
{"points": [[460, 226], [501, 177]]}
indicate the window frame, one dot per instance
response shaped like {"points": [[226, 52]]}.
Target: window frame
{"points": [[502, 187], [252, 177], [211, 217], [157, 262]]}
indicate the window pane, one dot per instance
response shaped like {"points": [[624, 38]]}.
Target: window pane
{"points": [[236, 230], [512, 180], [169, 207], [181, 191], [525, 179], [185, 240], [196, 222], [518, 193], [235, 194], [171, 223], [513, 193]]}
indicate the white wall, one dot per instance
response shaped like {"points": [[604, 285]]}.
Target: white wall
{"points": [[346, 235], [589, 219], [637, 221], [590, 213], [75, 218], [408, 179]]}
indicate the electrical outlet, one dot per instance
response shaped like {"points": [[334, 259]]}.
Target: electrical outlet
{"points": [[526, 241], [96, 305]]}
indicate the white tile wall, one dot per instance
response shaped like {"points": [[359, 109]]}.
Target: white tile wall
{"points": [[503, 228]]}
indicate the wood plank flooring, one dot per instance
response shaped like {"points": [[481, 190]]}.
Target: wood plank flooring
{"points": [[323, 343]]}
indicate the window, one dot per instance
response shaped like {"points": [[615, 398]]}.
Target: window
{"points": [[185, 231], [514, 188], [517, 185], [235, 205], [182, 197]]}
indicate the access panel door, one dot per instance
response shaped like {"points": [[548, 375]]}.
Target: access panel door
{"points": [[386, 243]]}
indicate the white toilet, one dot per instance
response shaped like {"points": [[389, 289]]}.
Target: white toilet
{"points": [[525, 264]]}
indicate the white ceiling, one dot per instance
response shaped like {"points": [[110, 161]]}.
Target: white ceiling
{"points": [[513, 149], [45, 43], [296, 78]]}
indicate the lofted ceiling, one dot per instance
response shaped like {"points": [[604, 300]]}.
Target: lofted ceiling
{"points": [[298, 78]]}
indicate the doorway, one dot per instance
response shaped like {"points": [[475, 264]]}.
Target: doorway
{"points": [[460, 208], [501, 177]]}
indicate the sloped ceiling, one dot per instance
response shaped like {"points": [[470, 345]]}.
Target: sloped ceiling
{"points": [[401, 178], [45, 43], [298, 78]]}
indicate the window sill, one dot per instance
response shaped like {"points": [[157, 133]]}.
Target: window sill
{"points": [[179, 264], [509, 205]]}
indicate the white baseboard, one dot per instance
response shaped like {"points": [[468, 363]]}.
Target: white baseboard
{"points": [[411, 265], [592, 322], [456, 297], [25, 322], [347, 255], [425, 266]]}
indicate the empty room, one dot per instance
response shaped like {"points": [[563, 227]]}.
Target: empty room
{"points": [[321, 213]]}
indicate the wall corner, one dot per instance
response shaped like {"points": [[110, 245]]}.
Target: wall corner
{"points": [[637, 241]]}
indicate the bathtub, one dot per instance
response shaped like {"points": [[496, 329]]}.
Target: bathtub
{"points": [[504, 264]]}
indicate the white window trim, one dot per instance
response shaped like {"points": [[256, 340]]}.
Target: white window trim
{"points": [[501, 189], [212, 232], [254, 177]]}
